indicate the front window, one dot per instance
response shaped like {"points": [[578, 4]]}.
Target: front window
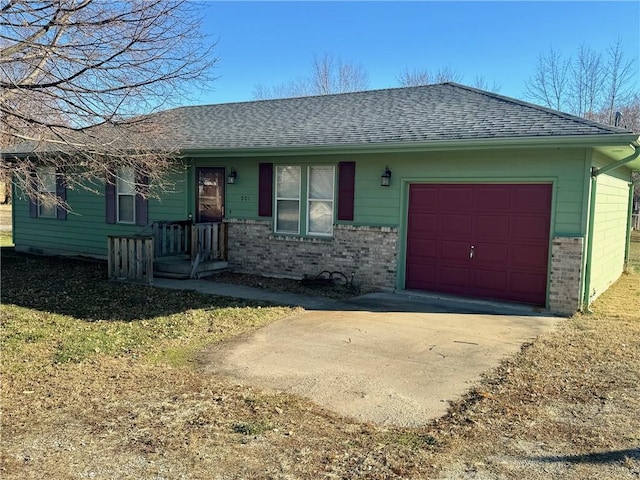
{"points": [[320, 201], [47, 192], [288, 199], [126, 195], [314, 185]]}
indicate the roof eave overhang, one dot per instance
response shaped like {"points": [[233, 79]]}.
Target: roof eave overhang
{"points": [[608, 141]]}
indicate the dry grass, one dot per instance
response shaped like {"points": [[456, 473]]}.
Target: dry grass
{"points": [[567, 406], [128, 404]]}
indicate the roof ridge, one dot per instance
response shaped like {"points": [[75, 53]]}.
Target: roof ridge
{"points": [[558, 113], [302, 97]]}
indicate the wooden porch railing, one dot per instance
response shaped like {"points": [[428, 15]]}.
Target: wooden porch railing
{"points": [[186, 238], [209, 240], [171, 238], [130, 258]]}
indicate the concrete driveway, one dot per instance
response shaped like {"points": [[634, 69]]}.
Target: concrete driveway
{"points": [[384, 358]]}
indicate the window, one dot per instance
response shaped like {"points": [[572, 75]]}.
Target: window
{"points": [[288, 199], [320, 201], [125, 198], [316, 186], [47, 188], [50, 201], [126, 195]]}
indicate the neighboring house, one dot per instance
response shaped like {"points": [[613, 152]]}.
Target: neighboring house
{"points": [[441, 188]]}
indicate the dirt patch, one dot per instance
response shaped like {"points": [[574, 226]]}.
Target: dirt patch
{"points": [[327, 285]]}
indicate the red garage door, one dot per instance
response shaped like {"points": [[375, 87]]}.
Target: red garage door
{"points": [[480, 240]]}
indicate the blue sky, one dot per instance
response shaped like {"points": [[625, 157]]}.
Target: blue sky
{"points": [[272, 42]]}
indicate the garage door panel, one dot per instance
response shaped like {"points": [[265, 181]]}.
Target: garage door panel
{"points": [[425, 224], [491, 198], [529, 256], [422, 248], [492, 253], [453, 250], [490, 226], [423, 199], [530, 227], [531, 198], [530, 288], [450, 276], [490, 280], [456, 197], [508, 224], [421, 277], [451, 225]]}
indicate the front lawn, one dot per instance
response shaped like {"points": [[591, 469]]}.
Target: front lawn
{"points": [[100, 380]]}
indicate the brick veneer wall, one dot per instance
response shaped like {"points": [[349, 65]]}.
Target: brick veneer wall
{"points": [[368, 252], [566, 274]]}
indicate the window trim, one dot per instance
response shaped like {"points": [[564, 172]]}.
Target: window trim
{"points": [[118, 194], [277, 198], [332, 200], [60, 194], [304, 189], [42, 191]]}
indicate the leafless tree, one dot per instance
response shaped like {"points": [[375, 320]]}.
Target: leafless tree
{"points": [[329, 74], [550, 82], [585, 86], [80, 80], [480, 82], [619, 80], [591, 85], [418, 77]]}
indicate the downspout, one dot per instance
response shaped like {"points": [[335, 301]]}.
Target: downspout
{"points": [[627, 244], [595, 172], [590, 227]]}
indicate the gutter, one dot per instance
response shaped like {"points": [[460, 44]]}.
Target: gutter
{"points": [[542, 141], [566, 141], [595, 173]]}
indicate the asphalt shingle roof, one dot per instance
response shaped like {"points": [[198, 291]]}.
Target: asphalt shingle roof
{"points": [[431, 113], [396, 116]]}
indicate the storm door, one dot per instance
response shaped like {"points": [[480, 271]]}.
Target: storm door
{"points": [[209, 195]]}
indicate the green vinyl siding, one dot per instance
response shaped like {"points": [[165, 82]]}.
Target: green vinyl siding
{"points": [[85, 230], [375, 205], [609, 228]]}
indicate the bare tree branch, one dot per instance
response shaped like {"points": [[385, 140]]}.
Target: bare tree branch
{"points": [[619, 76], [418, 77], [328, 75], [550, 82], [588, 85], [481, 83], [80, 78], [585, 87]]}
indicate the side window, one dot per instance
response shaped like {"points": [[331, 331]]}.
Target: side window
{"points": [[51, 198], [47, 187], [126, 196], [288, 199], [125, 200], [320, 200]]}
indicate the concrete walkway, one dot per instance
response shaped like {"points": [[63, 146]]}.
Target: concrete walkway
{"points": [[248, 293], [392, 359]]}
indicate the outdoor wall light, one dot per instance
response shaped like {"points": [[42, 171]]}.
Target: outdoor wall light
{"points": [[233, 175], [385, 179]]}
